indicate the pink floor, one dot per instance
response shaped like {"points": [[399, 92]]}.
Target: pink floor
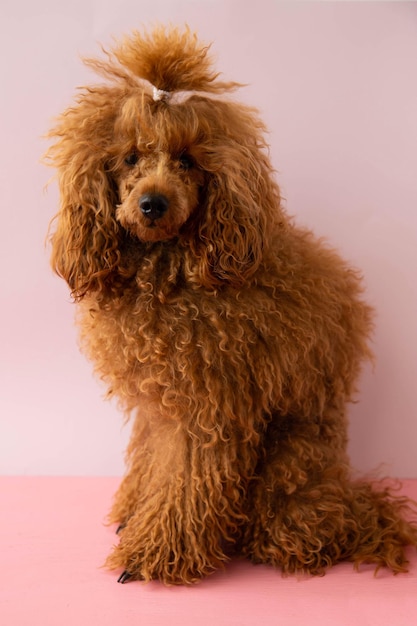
{"points": [[53, 542]]}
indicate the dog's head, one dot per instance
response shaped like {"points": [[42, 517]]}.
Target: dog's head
{"points": [[154, 155]]}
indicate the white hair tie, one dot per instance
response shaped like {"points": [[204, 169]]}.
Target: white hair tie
{"points": [[160, 94]]}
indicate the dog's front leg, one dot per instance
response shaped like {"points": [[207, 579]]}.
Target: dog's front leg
{"points": [[183, 498]]}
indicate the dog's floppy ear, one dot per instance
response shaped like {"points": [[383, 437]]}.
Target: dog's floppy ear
{"points": [[86, 237], [231, 234], [240, 204]]}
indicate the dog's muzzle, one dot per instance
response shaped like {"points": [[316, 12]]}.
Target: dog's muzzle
{"points": [[153, 205]]}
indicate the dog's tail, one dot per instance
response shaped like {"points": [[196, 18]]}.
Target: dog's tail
{"points": [[170, 59]]}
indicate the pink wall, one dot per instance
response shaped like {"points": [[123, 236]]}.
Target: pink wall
{"points": [[336, 84]]}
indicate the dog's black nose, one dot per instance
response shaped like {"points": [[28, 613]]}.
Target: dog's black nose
{"points": [[153, 205]]}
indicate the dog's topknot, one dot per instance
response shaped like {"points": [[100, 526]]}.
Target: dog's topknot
{"points": [[170, 59]]}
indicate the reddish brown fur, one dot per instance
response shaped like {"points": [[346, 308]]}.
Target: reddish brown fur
{"points": [[235, 336]]}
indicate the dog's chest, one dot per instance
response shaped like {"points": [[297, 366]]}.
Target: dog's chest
{"points": [[188, 330]]}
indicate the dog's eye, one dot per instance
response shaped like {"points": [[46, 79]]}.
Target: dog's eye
{"points": [[132, 159], [186, 162]]}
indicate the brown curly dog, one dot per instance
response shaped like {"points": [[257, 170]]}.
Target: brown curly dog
{"points": [[235, 336]]}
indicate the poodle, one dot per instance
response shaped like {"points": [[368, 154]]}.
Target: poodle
{"points": [[233, 336]]}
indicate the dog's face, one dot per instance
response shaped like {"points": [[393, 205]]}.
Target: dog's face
{"points": [[159, 188], [136, 171]]}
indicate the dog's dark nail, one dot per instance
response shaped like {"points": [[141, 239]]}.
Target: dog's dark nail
{"points": [[123, 578], [120, 528]]}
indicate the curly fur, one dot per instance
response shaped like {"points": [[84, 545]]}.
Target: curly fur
{"points": [[234, 336]]}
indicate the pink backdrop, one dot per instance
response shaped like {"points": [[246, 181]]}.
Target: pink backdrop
{"points": [[336, 83]]}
